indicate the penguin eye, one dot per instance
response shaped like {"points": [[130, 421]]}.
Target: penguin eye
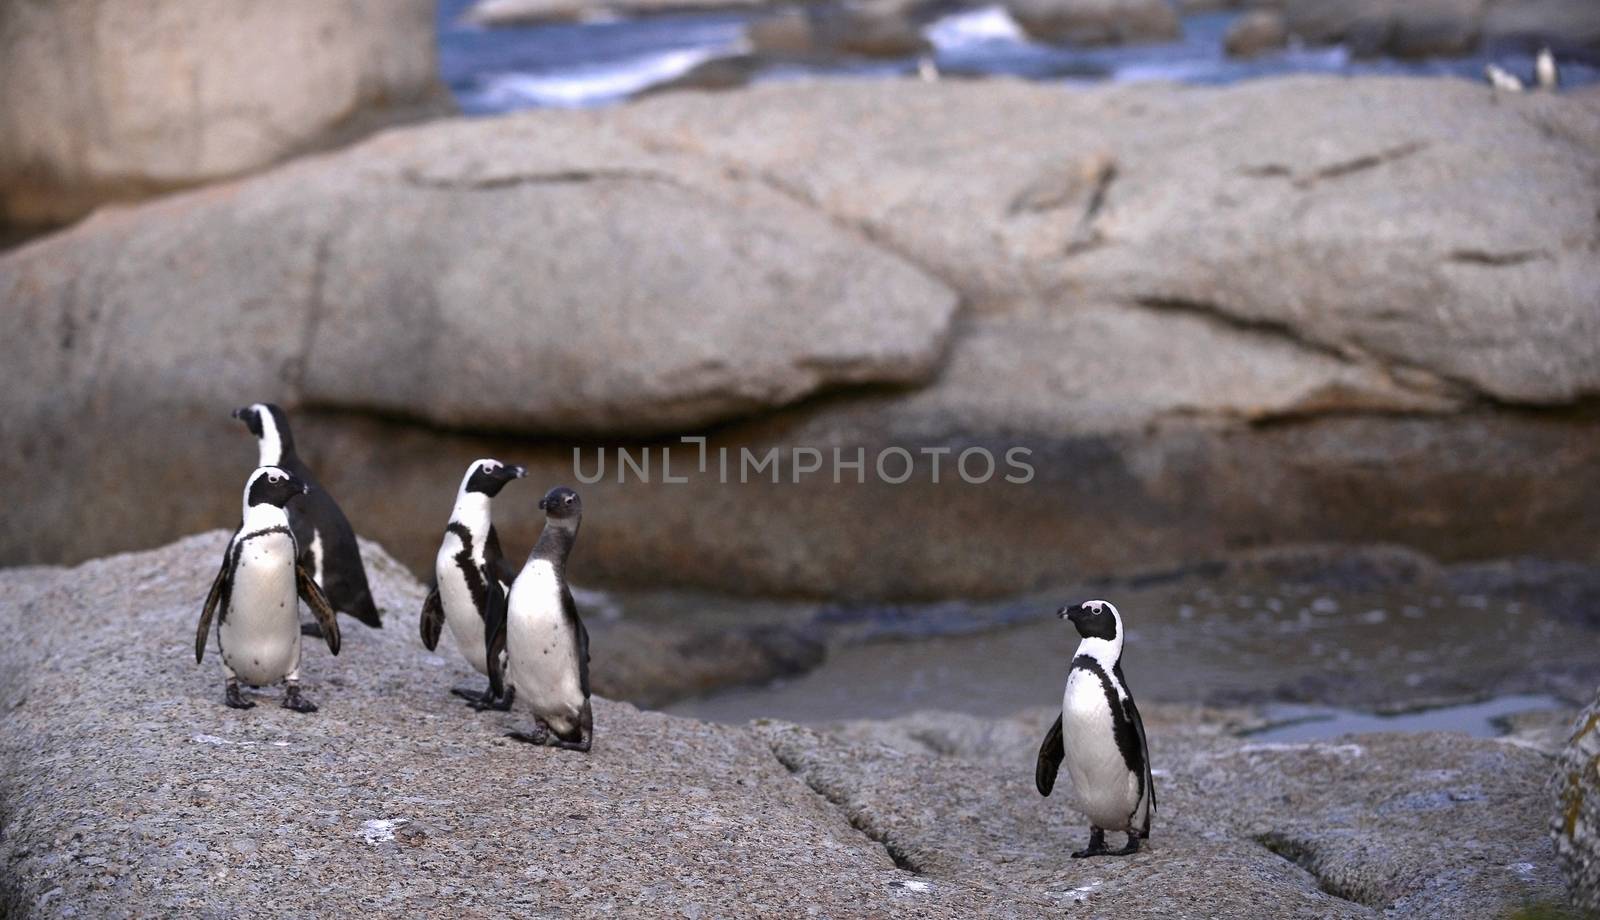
{"points": [[274, 478]]}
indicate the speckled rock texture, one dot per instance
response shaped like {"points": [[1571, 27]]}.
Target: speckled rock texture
{"points": [[128, 789], [1576, 824]]}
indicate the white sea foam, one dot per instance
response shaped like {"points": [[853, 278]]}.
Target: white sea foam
{"points": [[974, 27], [592, 85]]}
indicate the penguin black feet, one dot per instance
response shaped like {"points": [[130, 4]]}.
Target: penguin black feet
{"points": [[312, 629], [235, 699], [1096, 847], [293, 700], [540, 734], [543, 735], [486, 699], [1129, 850]]}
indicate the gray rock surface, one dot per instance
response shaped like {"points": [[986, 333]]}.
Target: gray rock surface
{"points": [[1576, 821], [1424, 825], [1253, 341], [128, 788], [136, 791], [112, 100]]}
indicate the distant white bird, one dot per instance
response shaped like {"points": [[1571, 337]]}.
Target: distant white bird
{"points": [[927, 69], [1502, 80], [1544, 70]]}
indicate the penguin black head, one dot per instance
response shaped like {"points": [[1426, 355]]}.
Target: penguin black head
{"points": [[270, 485], [270, 425], [490, 476], [1094, 619], [561, 503]]}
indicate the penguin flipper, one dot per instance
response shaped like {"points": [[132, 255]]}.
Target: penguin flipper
{"points": [[581, 636], [432, 618], [1051, 753], [1132, 713], [221, 587], [495, 558], [318, 602], [494, 629]]}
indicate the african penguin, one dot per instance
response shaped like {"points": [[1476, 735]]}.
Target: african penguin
{"points": [[1100, 736], [1502, 79], [1545, 74], [328, 547], [537, 630], [254, 596], [468, 558]]}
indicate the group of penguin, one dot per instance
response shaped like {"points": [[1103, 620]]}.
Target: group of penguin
{"points": [[522, 630]]}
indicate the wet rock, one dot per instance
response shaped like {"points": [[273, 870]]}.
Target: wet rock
{"points": [[1256, 32], [1444, 27], [112, 100], [1567, 25], [1576, 822], [863, 29], [715, 75], [1097, 22]]}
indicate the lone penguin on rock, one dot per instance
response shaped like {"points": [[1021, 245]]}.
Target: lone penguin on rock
{"points": [[537, 637], [254, 597], [469, 560], [1100, 736], [328, 547]]}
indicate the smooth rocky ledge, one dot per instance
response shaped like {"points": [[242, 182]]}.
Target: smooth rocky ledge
{"points": [[127, 789]]}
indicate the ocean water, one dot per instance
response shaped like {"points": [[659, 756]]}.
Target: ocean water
{"points": [[605, 61]]}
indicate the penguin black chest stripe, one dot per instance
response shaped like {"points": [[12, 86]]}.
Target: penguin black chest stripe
{"points": [[469, 568], [265, 531], [1122, 726]]}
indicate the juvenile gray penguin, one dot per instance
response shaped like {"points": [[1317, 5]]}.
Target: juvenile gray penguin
{"points": [[327, 542], [255, 596], [1100, 736], [540, 639], [469, 559]]}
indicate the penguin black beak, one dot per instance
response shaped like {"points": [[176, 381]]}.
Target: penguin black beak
{"points": [[1070, 613], [239, 413], [543, 506], [519, 471]]}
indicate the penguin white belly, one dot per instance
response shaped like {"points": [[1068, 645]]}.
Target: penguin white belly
{"points": [[260, 633], [543, 663], [1102, 785], [460, 612]]}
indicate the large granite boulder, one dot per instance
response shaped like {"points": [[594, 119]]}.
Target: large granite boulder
{"points": [[127, 788], [112, 100], [1576, 822], [1340, 318]]}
